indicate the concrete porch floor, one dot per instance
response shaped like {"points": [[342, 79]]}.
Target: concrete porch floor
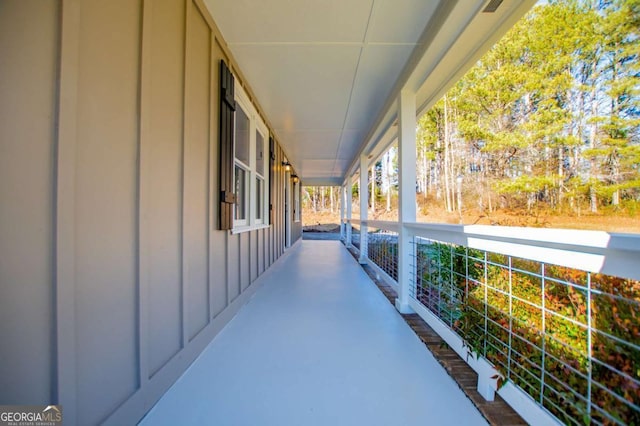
{"points": [[318, 344]]}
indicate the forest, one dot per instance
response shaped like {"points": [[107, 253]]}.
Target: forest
{"points": [[548, 119]]}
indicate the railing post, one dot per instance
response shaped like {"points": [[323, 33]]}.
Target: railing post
{"points": [[364, 207], [406, 195], [349, 200]]}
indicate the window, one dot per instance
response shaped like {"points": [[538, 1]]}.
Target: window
{"points": [[259, 176], [250, 164], [242, 136], [296, 200], [241, 195], [242, 166]]}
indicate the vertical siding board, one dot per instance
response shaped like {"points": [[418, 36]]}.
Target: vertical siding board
{"points": [[245, 259], [259, 251], [29, 51], [161, 193], [271, 244], [265, 249], [280, 207], [238, 263], [251, 242], [207, 160], [227, 275], [255, 264], [276, 204], [212, 199], [65, 279], [196, 172], [143, 192], [107, 200], [185, 115], [233, 266], [254, 244], [281, 211], [218, 274]]}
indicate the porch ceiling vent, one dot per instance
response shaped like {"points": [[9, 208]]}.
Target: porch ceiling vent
{"points": [[492, 6]]}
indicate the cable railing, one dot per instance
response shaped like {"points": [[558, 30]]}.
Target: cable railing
{"points": [[554, 313], [383, 252], [355, 235]]}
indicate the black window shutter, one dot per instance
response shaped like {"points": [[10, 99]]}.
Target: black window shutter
{"points": [[272, 157], [227, 111]]}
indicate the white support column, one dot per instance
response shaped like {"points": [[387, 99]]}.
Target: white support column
{"points": [[342, 212], [364, 207], [407, 122], [349, 199]]}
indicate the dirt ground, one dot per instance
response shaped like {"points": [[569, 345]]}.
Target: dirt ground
{"points": [[622, 223]]}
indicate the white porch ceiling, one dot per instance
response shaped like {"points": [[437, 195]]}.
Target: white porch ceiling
{"points": [[325, 71]]}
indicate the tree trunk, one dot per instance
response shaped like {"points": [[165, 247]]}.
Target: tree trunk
{"points": [[560, 174], [447, 171], [332, 202], [425, 177], [593, 198], [615, 167], [372, 195], [388, 168], [315, 199]]}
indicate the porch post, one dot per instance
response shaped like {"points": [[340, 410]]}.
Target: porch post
{"points": [[342, 213], [349, 199], [406, 193], [364, 207]]}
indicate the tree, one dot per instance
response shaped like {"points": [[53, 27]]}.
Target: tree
{"points": [[551, 110]]}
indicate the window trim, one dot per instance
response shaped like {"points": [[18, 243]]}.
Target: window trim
{"points": [[296, 201], [262, 129], [256, 125]]}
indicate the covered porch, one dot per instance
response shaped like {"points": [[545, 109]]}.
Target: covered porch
{"points": [[143, 205], [317, 344]]}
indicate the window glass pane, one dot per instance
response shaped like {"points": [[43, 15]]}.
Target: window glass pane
{"points": [[259, 154], [242, 136], [241, 201], [259, 205], [296, 201]]}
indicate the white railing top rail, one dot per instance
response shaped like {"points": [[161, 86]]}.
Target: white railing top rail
{"points": [[381, 224], [593, 251]]}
